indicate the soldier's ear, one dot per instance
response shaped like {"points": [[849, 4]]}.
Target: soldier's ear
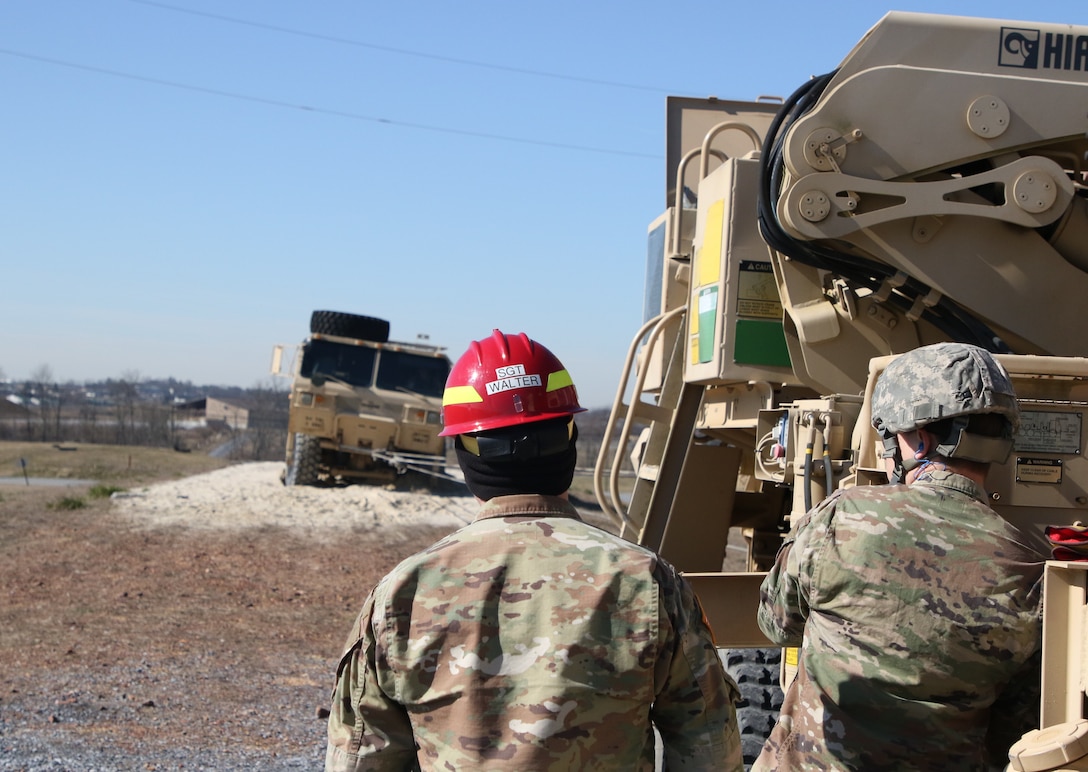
{"points": [[925, 442]]}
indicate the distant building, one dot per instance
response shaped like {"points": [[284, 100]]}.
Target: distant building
{"points": [[218, 411], [212, 411], [12, 407]]}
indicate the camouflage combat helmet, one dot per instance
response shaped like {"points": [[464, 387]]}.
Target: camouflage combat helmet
{"points": [[947, 381]]}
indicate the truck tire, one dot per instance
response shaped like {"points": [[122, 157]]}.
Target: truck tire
{"points": [[756, 674], [349, 326], [303, 464]]}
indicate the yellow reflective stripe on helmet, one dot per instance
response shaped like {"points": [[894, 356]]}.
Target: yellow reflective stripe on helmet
{"points": [[559, 380], [460, 395]]}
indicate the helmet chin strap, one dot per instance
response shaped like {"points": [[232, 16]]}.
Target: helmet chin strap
{"points": [[901, 466], [907, 464]]}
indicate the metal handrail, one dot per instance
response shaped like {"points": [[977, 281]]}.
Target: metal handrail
{"points": [[611, 506], [704, 162]]}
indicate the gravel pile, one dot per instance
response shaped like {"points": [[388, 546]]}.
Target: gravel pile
{"points": [[247, 496]]}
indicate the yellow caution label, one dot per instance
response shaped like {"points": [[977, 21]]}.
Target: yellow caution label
{"points": [[708, 258], [757, 292]]}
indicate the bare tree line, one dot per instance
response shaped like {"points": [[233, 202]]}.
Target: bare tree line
{"points": [[49, 411]]}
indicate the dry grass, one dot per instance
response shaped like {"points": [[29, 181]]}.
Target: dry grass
{"points": [[114, 464]]}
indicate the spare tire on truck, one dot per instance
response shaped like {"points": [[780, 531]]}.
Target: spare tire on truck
{"points": [[349, 326]]}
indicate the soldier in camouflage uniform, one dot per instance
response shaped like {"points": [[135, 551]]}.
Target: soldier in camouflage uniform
{"points": [[916, 606], [528, 640]]}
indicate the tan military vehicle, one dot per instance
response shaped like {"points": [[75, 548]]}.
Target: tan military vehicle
{"points": [[362, 408], [931, 188]]}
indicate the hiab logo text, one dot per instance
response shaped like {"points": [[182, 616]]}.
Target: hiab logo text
{"points": [[1032, 49], [1019, 48]]}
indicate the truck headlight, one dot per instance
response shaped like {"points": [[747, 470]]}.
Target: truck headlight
{"points": [[420, 415]]}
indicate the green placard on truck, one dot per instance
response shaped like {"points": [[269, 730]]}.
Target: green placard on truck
{"points": [[708, 317]]}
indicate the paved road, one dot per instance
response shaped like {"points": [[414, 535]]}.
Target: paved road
{"points": [[55, 482]]}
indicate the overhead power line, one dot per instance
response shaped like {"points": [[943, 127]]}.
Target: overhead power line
{"points": [[326, 111], [403, 51]]}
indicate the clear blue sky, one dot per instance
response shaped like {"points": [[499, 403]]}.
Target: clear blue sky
{"points": [[183, 182]]}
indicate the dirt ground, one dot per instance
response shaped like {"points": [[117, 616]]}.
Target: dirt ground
{"points": [[146, 632], [180, 612]]}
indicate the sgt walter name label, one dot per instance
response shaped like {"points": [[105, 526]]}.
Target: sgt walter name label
{"points": [[1039, 470], [512, 377]]}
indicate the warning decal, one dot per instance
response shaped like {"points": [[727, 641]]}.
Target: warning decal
{"points": [[1039, 470], [757, 294]]}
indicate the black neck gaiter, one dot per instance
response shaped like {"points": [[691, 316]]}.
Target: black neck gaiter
{"points": [[545, 475]]}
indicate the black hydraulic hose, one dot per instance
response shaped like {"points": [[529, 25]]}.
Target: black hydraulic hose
{"points": [[770, 154], [947, 316]]}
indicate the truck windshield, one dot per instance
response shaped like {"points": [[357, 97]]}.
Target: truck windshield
{"points": [[350, 364], [655, 266], [400, 370]]}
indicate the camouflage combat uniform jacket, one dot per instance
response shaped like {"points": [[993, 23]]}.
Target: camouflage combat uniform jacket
{"points": [[530, 640], [914, 608]]}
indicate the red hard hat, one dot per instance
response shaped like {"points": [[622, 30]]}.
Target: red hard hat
{"points": [[504, 381]]}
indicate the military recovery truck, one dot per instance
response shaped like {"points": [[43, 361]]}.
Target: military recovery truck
{"points": [[931, 188], [363, 408]]}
